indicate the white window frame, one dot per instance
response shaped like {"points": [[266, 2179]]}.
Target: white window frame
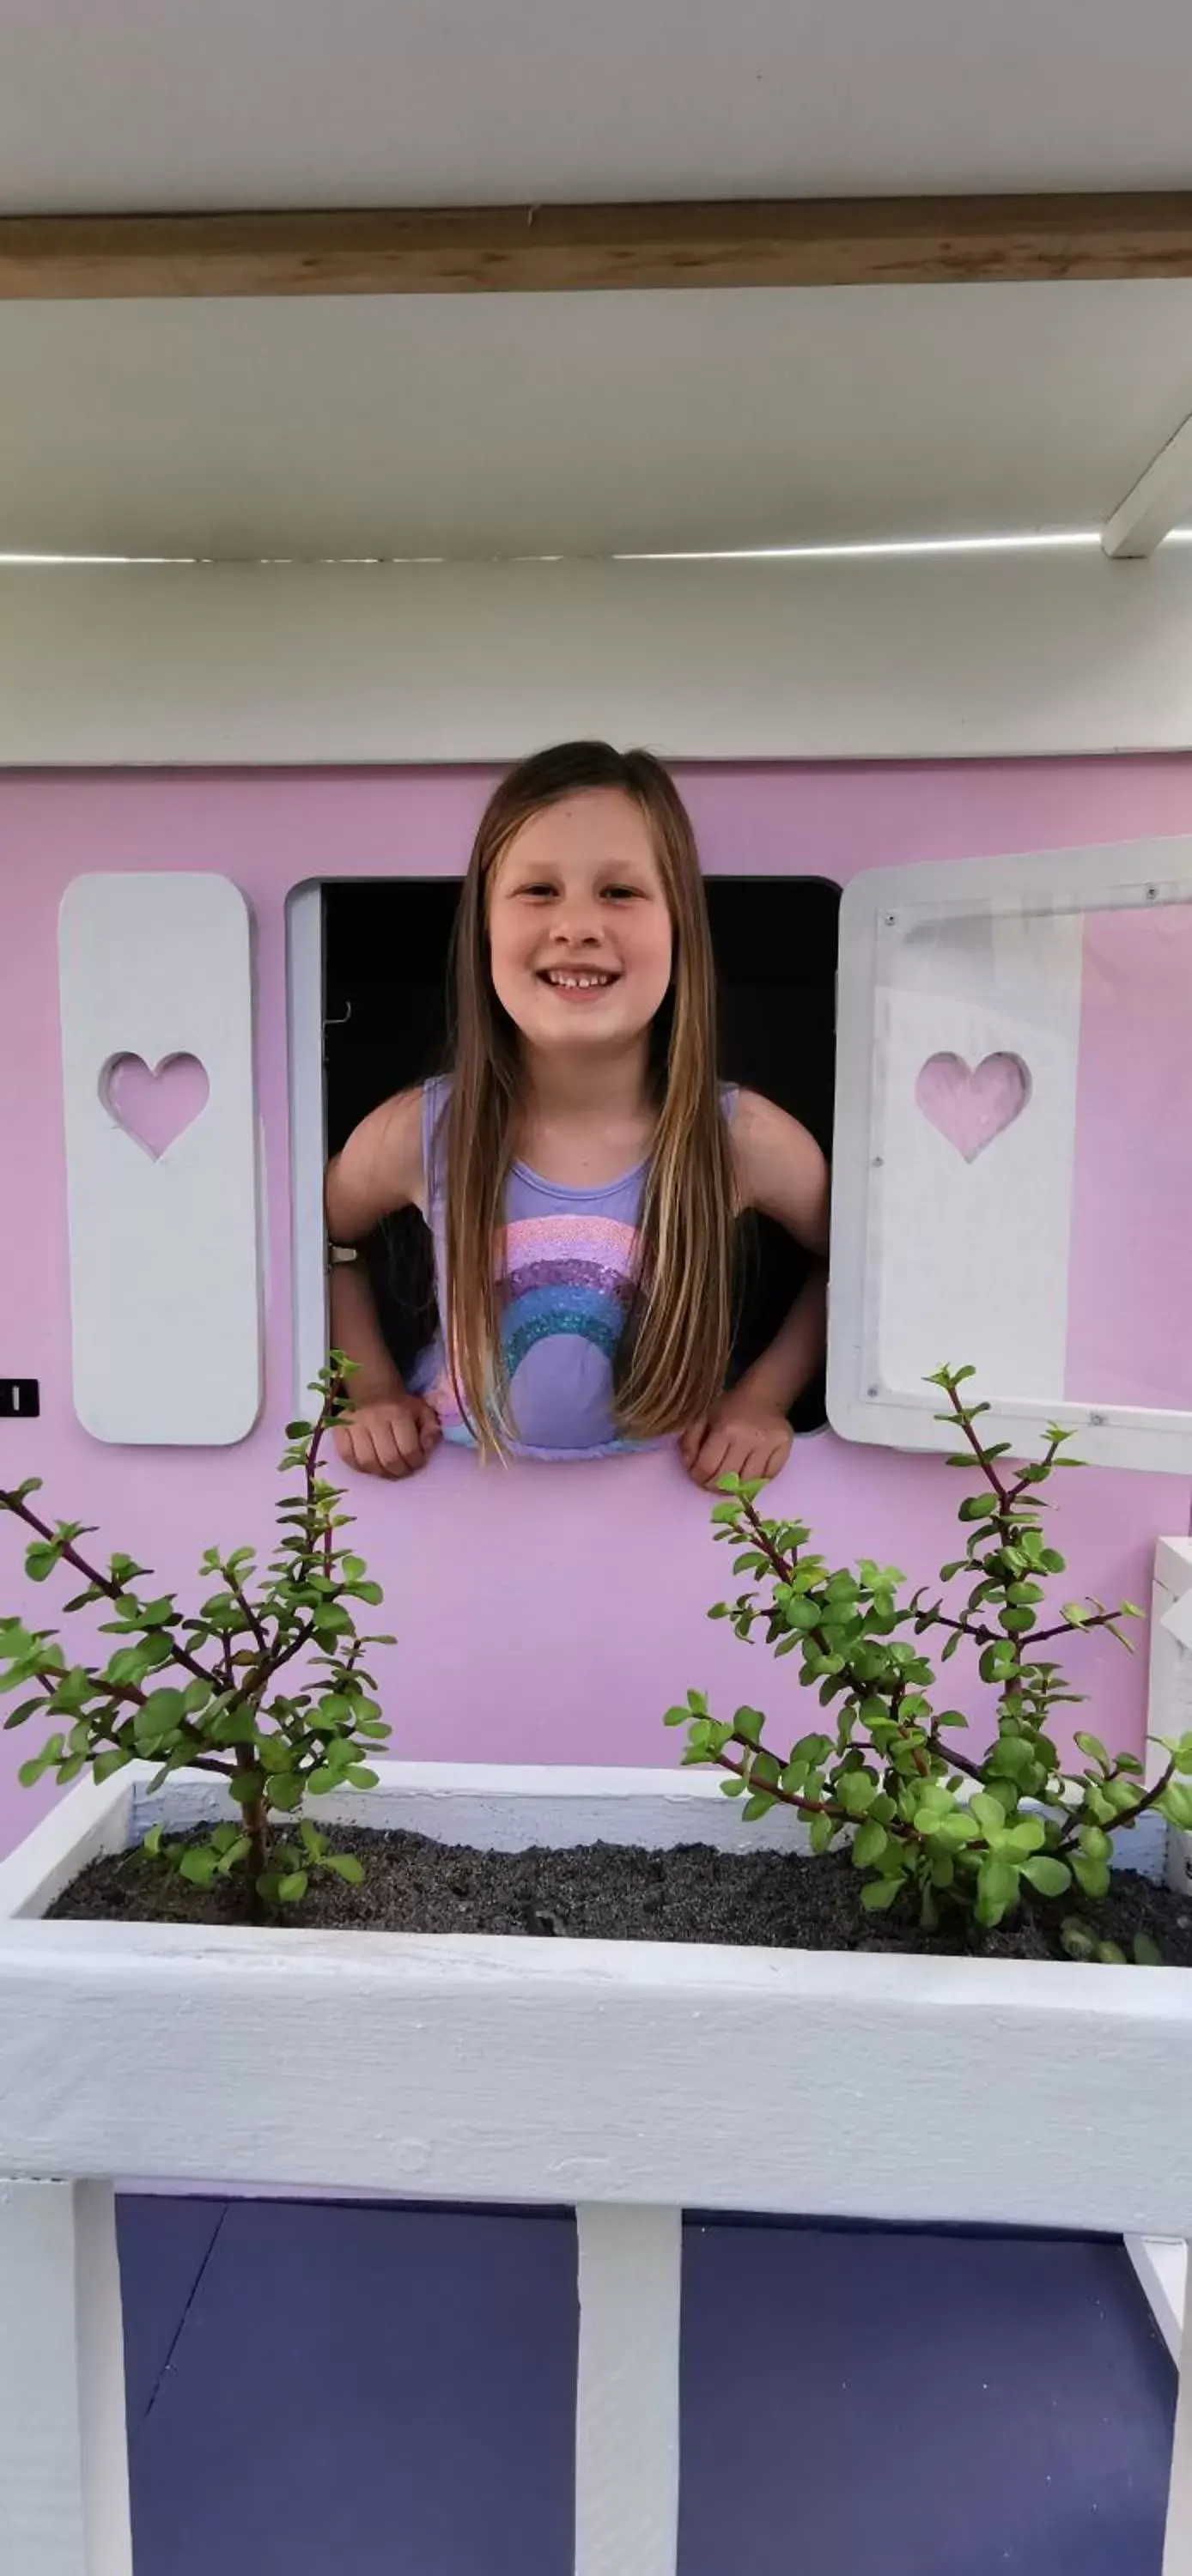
{"points": [[1112, 876], [308, 1135], [305, 1003]]}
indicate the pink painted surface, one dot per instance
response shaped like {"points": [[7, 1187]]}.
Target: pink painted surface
{"points": [[972, 1104], [155, 1104], [582, 1588], [1130, 1293]]}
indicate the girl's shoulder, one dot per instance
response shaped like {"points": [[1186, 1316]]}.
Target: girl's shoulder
{"points": [[382, 1166], [780, 1167]]}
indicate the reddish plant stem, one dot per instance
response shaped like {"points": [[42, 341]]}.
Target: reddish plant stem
{"points": [[103, 1583]]}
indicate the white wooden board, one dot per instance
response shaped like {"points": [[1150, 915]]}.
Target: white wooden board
{"points": [[627, 2400], [156, 982], [63, 2453]]}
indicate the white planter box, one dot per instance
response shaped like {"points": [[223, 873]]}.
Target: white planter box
{"points": [[631, 2079]]}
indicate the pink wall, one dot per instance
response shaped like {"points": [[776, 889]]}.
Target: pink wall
{"points": [[545, 1614]]}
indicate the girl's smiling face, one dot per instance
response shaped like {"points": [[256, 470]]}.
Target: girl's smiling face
{"points": [[580, 943]]}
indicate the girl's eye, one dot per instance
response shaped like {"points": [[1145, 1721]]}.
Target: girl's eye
{"points": [[623, 893], [534, 889]]}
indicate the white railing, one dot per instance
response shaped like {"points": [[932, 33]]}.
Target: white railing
{"points": [[630, 2080]]}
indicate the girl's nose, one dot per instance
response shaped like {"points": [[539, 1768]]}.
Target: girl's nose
{"points": [[576, 925]]}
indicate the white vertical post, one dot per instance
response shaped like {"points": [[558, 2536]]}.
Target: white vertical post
{"points": [[1177, 2544], [63, 2442], [627, 2424]]}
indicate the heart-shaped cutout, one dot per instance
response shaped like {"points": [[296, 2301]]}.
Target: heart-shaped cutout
{"points": [[154, 1104], [970, 1105]]}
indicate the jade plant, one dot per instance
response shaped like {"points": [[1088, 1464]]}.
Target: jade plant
{"points": [[930, 1827], [263, 1686]]}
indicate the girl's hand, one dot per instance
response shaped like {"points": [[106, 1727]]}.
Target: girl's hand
{"points": [[743, 1435], [392, 1436]]}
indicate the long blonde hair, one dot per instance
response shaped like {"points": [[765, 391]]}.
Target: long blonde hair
{"points": [[675, 1349]]}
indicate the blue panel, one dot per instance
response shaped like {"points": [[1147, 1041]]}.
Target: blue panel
{"points": [[164, 2245], [879, 2403], [357, 2388]]}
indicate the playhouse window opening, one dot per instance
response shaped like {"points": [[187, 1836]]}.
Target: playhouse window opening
{"points": [[386, 947]]}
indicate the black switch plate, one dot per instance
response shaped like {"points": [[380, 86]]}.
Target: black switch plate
{"points": [[20, 1399]]}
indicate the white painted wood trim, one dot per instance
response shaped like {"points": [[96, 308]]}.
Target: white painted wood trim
{"points": [[1156, 503], [1161, 2263], [476, 2068], [164, 1254], [956, 657], [507, 1807], [1104, 877], [1177, 2539], [1169, 1686], [473, 2069], [627, 2409], [308, 1136], [515, 1807], [63, 2448], [86, 1823]]}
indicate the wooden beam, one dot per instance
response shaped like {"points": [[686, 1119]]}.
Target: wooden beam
{"points": [[891, 241], [1154, 505]]}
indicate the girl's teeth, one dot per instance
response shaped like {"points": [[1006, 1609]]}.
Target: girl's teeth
{"points": [[580, 983]]}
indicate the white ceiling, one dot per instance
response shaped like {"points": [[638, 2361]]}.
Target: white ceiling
{"points": [[497, 425], [143, 104], [595, 423]]}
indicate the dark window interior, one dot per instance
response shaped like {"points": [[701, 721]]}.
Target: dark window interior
{"points": [[386, 948]]}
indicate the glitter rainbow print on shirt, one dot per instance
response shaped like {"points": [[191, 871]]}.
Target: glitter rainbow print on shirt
{"points": [[563, 1279]]}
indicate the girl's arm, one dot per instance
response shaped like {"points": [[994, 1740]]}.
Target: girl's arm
{"points": [[390, 1432], [781, 1172]]}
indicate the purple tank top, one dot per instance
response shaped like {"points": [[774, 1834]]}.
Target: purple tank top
{"points": [[566, 1266]]}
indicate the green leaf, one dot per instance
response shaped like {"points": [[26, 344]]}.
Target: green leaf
{"points": [[988, 1812], [1147, 1953], [758, 1804], [106, 1763], [345, 1865], [1176, 1803], [1012, 1758], [233, 1856], [997, 1882], [1092, 1745], [880, 1893], [24, 1710], [293, 1887], [869, 1842], [1095, 1843], [728, 1788], [1051, 1877], [855, 1791], [1092, 1875], [244, 1786], [748, 1724], [284, 1791], [199, 1864]]}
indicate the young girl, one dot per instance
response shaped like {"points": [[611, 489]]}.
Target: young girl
{"points": [[582, 1171]]}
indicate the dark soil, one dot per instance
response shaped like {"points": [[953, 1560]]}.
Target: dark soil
{"points": [[615, 1892]]}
